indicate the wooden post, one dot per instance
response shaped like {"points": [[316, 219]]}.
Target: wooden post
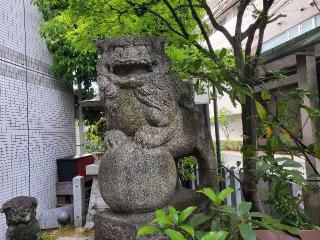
{"points": [[307, 79]]}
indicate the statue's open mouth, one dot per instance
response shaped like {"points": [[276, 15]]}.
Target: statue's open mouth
{"points": [[132, 69]]}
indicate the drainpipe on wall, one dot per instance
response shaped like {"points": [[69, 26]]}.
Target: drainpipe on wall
{"points": [[81, 122]]}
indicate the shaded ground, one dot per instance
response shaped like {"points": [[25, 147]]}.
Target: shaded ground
{"points": [[63, 232]]}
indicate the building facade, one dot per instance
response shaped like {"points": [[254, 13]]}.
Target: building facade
{"points": [[300, 18], [291, 44], [36, 110]]}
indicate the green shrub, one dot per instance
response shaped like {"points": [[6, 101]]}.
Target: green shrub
{"points": [[94, 143], [186, 168], [228, 145]]}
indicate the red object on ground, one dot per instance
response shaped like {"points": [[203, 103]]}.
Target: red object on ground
{"points": [[72, 166]]}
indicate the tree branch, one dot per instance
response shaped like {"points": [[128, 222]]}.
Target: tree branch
{"points": [[215, 24], [177, 19], [166, 22], [199, 22]]}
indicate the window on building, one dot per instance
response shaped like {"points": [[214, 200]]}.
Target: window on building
{"points": [[318, 20], [307, 26], [275, 41], [293, 32]]}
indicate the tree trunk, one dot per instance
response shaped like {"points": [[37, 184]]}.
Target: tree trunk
{"points": [[249, 184]]}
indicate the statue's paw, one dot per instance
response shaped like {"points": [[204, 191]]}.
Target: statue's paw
{"points": [[146, 140], [114, 138]]}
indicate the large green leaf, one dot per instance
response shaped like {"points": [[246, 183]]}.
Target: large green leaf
{"points": [[199, 234], [261, 111], [160, 213], [189, 229], [244, 208], [221, 235], [185, 214], [262, 169], [291, 229], [292, 164], [146, 230], [265, 94], [163, 220], [174, 235], [225, 193], [247, 232], [173, 215], [198, 219], [211, 195], [259, 215]]}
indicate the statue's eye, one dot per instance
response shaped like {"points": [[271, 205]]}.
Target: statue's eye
{"points": [[154, 63]]}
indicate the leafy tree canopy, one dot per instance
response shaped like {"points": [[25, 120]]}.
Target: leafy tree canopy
{"points": [[71, 27]]}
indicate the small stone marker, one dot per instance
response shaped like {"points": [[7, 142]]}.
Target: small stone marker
{"points": [[78, 200], [21, 218]]}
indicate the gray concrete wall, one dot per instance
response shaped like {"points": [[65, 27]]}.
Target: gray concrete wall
{"points": [[36, 110]]}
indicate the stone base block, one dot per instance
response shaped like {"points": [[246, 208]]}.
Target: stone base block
{"points": [[23, 231], [113, 226]]}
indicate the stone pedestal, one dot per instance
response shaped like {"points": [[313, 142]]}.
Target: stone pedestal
{"points": [[23, 231], [113, 226], [96, 203]]}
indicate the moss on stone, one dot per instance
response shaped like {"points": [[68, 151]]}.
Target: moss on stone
{"points": [[65, 232]]}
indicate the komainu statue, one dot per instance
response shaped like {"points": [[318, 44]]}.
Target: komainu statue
{"points": [[152, 121]]}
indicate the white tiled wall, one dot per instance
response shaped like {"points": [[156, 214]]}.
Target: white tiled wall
{"points": [[36, 113]]}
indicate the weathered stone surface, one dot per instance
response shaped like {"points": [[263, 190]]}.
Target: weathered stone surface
{"points": [[152, 121], [92, 169], [96, 203], [133, 179], [21, 218], [20, 210], [115, 226], [28, 231], [150, 105]]}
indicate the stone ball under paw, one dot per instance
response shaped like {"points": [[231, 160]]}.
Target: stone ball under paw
{"points": [[133, 179]]}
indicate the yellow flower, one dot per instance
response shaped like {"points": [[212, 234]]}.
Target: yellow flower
{"points": [[268, 132], [287, 136]]}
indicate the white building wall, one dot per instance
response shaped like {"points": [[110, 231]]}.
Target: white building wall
{"points": [[296, 11], [36, 110]]}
